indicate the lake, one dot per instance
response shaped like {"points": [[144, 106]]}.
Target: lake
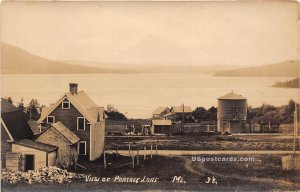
{"points": [[138, 95]]}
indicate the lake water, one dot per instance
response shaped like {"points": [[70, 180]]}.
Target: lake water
{"points": [[137, 95]]}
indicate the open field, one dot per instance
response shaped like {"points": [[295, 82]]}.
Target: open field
{"points": [[198, 141], [263, 174]]}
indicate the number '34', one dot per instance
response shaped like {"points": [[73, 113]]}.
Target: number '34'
{"points": [[211, 180]]}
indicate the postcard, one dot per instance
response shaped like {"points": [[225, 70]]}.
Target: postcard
{"points": [[150, 95]]}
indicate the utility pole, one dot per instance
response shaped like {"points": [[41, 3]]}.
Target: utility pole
{"points": [[30, 108], [182, 123], [295, 128]]}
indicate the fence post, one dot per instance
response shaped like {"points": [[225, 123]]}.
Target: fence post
{"points": [[104, 160], [138, 158], [129, 149], [117, 151], [156, 146], [133, 161], [144, 152], [151, 150]]}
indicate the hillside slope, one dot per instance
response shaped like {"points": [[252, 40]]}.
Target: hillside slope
{"points": [[15, 60], [284, 69]]}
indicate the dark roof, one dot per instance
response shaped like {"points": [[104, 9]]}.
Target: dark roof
{"points": [[15, 121], [36, 145], [7, 107]]}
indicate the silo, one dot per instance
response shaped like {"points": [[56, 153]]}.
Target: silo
{"points": [[232, 113]]}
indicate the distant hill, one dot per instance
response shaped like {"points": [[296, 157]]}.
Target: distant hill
{"points": [[15, 60], [284, 69], [158, 68], [294, 83]]}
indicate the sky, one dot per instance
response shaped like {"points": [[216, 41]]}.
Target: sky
{"points": [[172, 33]]}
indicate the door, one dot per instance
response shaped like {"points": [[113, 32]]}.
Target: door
{"points": [[29, 162]]}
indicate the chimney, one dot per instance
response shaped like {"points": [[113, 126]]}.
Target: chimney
{"points": [[73, 88]]}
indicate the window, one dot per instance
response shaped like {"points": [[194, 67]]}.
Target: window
{"points": [[80, 123], [50, 119], [65, 105], [82, 148]]}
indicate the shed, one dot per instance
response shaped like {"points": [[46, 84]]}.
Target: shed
{"points": [[66, 141], [161, 126], [34, 154], [269, 125]]}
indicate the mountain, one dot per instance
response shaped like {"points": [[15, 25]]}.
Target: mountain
{"points": [[284, 69], [15, 60]]}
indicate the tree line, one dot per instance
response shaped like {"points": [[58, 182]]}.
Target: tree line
{"points": [[33, 110], [264, 113]]}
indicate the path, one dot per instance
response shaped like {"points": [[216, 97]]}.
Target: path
{"points": [[269, 181]]}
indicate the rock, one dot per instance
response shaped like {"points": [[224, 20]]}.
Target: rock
{"points": [[43, 175]]}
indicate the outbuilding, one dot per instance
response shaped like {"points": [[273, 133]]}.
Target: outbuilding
{"points": [[34, 155], [161, 126], [66, 141]]}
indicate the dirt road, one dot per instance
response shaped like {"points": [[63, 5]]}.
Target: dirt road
{"points": [[198, 152]]}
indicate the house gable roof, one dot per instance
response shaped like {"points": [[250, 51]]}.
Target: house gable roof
{"points": [[36, 145], [159, 110], [65, 132], [82, 102], [15, 122], [232, 96], [179, 109]]}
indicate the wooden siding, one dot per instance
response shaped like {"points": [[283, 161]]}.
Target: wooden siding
{"points": [[69, 118], [52, 158], [5, 146], [66, 154], [230, 109], [97, 140], [14, 163], [161, 129], [39, 156]]}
